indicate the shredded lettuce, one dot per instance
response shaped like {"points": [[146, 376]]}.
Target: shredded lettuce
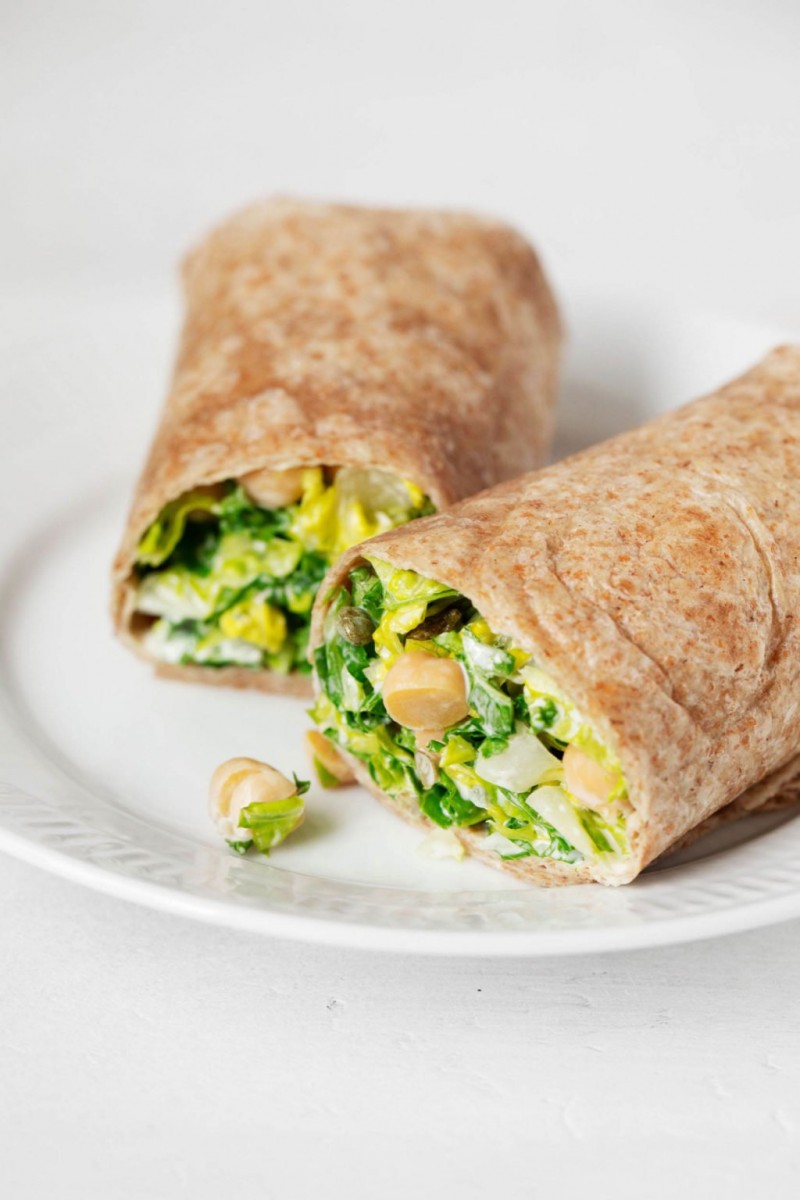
{"points": [[400, 587], [232, 583], [499, 770], [242, 557], [177, 594], [271, 822], [164, 534], [255, 621], [358, 505]]}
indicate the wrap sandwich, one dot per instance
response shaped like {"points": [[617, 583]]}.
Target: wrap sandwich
{"points": [[341, 371], [574, 670]]}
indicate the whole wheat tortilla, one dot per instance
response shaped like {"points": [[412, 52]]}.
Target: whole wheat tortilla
{"points": [[656, 577], [424, 343]]}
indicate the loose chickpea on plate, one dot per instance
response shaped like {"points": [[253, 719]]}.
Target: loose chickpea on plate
{"points": [[251, 803]]}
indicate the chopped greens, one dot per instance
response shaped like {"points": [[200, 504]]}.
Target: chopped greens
{"points": [[500, 769], [228, 582], [164, 534], [270, 822]]}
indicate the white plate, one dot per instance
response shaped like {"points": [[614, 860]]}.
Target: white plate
{"points": [[103, 770]]}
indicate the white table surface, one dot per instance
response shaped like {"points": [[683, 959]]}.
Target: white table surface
{"points": [[144, 1056]]}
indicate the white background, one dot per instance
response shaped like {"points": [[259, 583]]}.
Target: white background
{"points": [[654, 145]]}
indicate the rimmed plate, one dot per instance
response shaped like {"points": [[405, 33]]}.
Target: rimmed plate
{"points": [[103, 770]]}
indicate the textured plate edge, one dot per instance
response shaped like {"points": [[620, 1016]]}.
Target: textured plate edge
{"points": [[430, 943]]}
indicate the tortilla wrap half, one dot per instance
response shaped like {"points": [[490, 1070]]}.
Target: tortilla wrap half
{"points": [[421, 344], [656, 579]]}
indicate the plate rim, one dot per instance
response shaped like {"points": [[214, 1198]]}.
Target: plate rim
{"points": [[445, 943]]}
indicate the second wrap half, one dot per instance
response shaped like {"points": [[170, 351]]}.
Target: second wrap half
{"points": [[656, 579], [420, 344]]}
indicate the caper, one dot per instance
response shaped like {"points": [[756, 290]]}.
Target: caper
{"points": [[355, 625], [426, 767], [440, 622]]}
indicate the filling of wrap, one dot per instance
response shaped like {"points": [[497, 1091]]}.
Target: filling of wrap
{"points": [[442, 710], [227, 575]]}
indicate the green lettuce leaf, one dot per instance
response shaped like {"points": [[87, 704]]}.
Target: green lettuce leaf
{"points": [[180, 595], [238, 514], [494, 707], [402, 587], [161, 538], [367, 591], [443, 804], [485, 659], [271, 823]]}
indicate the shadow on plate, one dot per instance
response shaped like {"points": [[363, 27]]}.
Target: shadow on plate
{"points": [[726, 837]]}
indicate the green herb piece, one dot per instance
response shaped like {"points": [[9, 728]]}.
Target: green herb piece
{"points": [[485, 659], [161, 538], [494, 707], [367, 592], [238, 514], [271, 822], [240, 848], [445, 807]]}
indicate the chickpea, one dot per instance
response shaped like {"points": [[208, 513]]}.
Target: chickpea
{"points": [[273, 489], [237, 783], [323, 751], [423, 692], [586, 779]]}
